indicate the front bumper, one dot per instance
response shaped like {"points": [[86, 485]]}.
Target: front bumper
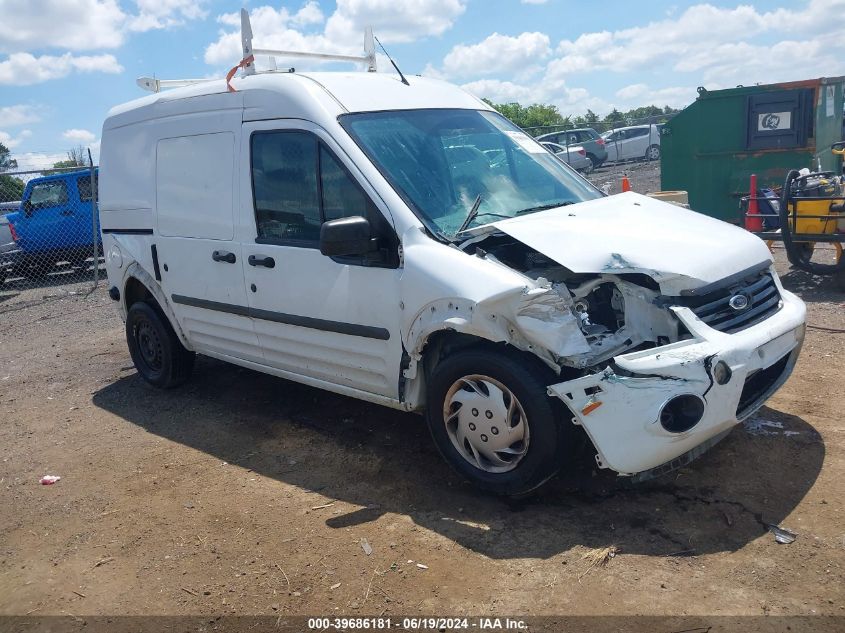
{"points": [[620, 410]]}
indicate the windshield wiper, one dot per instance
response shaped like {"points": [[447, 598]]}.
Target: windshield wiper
{"points": [[473, 212], [543, 207]]}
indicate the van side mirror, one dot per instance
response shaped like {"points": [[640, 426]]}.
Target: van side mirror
{"points": [[346, 237]]}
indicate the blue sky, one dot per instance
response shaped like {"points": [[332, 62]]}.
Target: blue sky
{"points": [[64, 63]]}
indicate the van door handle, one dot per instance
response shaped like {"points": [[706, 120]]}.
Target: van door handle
{"points": [[224, 256], [262, 260], [67, 212]]}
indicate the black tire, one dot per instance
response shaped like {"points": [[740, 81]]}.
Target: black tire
{"points": [[653, 152], [156, 351], [550, 439]]}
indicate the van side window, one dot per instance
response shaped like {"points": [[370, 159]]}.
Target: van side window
{"points": [[298, 184], [342, 197], [284, 180], [83, 183], [48, 194]]}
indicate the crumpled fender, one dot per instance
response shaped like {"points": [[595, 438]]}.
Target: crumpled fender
{"points": [[499, 304]]}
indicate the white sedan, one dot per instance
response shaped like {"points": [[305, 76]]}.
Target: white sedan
{"points": [[575, 156]]}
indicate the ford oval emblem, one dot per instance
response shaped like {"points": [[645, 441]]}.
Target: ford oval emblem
{"points": [[738, 302]]}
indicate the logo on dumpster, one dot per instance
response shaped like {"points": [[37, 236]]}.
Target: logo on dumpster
{"points": [[771, 121], [739, 302]]}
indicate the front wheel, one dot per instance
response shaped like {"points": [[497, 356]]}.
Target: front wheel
{"points": [[494, 423], [653, 152], [156, 351]]}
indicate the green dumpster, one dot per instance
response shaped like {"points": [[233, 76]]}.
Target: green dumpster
{"points": [[712, 147]]}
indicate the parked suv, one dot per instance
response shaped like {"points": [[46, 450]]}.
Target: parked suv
{"points": [[403, 243], [636, 142], [586, 137], [54, 223]]}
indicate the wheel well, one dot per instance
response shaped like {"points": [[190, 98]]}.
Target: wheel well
{"points": [[447, 342], [135, 291]]}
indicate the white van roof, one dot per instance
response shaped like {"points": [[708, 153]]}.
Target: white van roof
{"points": [[299, 95]]}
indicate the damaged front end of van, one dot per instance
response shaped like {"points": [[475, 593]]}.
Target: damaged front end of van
{"points": [[660, 349]]}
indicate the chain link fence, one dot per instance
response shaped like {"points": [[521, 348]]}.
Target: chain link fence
{"points": [[50, 243]]}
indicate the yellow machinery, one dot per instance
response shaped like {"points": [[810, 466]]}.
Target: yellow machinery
{"points": [[811, 212]]}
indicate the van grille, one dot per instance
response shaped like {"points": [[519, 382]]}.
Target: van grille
{"points": [[760, 293]]}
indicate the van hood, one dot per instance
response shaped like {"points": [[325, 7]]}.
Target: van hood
{"points": [[632, 233]]}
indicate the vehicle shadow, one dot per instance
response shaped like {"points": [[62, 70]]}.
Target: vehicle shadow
{"points": [[811, 288], [383, 461]]}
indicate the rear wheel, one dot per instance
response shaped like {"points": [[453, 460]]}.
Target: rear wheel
{"points": [[653, 152], [494, 423], [156, 351]]}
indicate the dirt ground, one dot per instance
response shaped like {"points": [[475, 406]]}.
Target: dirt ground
{"points": [[242, 493], [644, 176]]}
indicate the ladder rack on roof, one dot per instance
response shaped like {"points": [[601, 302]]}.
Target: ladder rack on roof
{"points": [[249, 52]]}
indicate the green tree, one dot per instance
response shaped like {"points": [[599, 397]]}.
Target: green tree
{"points": [[11, 188], [615, 117], [76, 157], [532, 116], [7, 163]]}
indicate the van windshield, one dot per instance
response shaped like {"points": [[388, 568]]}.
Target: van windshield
{"points": [[449, 165]]}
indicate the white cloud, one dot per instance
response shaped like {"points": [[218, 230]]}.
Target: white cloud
{"points": [[64, 24], [162, 14], [310, 13], [705, 39], [568, 100], [79, 136], [497, 54], [13, 141], [393, 21], [12, 116], [637, 95], [23, 69], [501, 91], [38, 160], [703, 44], [343, 32], [632, 92]]}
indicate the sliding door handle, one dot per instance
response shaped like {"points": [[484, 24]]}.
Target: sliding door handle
{"points": [[224, 256], [262, 260]]}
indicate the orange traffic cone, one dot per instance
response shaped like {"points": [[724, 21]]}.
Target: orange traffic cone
{"points": [[753, 221], [626, 184]]}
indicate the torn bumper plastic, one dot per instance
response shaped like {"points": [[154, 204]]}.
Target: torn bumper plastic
{"points": [[620, 408]]}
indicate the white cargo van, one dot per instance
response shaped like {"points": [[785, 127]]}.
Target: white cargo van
{"points": [[406, 245]]}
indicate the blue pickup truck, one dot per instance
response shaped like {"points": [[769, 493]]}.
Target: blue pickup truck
{"points": [[53, 224]]}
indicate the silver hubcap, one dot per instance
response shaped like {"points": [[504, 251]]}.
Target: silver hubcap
{"points": [[486, 423]]}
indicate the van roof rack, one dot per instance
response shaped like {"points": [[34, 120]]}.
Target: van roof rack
{"points": [[152, 84]]}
